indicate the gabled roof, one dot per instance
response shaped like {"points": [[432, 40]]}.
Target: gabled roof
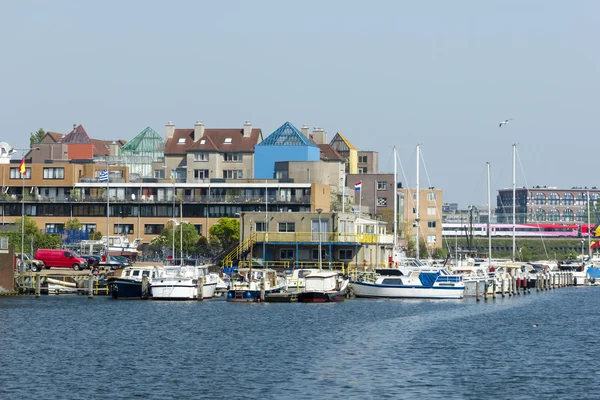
{"points": [[221, 140], [55, 137], [287, 135], [77, 136], [145, 141], [340, 143], [328, 153]]}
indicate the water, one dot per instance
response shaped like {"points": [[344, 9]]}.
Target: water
{"points": [[69, 347]]}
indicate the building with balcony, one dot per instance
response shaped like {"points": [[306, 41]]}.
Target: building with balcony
{"points": [[546, 204], [201, 154], [292, 239], [139, 153]]}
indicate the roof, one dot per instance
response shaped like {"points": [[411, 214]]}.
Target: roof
{"points": [[328, 153], [56, 137], [287, 135], [340, 143], [221, 140], [145, 141], [78, 135]]}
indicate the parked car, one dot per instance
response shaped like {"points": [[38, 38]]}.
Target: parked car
{"points": [[31, 264], [61, 259], [112, 263], [126, 262], [92, 260]]}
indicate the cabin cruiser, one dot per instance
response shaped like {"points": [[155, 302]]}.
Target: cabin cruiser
{"points": [[251, 284], [475, 278], [182, 283], [416, 284], [131, 284], [296, 278], [323, 286]]}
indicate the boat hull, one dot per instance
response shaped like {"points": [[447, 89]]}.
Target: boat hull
{"points": [[181, 289], [321, 297], [372, 290], [247, 296], [125, 289]]}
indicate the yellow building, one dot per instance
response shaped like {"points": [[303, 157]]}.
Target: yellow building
{"points": [[427, 221]]}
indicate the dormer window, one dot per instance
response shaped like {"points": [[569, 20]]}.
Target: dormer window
{"points": [[227, 140], [181, 141], [202, 141]]}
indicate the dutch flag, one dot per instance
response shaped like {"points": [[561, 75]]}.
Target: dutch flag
{"points": [[103, 177], [358, 185]]}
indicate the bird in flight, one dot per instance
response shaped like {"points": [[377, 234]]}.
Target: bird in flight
{"points": [[505, 122]]}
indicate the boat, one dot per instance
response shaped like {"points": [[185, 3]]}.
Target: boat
{"points": [[475, 278], [416, 284], [323, 286], [117, 246], [182, 283], [57, 286], [131, 284], [296, 278], [253, 284]]}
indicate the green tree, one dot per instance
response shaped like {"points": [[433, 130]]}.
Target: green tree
{"points": [[165, 239], [73, 224], [227, 230], [36, 137], [96, 235]]}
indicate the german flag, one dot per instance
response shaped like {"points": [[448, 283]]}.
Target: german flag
{"points": [[22, 168]]}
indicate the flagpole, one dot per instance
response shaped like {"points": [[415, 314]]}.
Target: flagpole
{"points": [[360, 199], [107, 209], [23, 213], [588, 229]]}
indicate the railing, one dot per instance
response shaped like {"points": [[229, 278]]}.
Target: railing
{"points": [[164, 199], [27, 283], [323, 237], [268, 264], [238, 250]]}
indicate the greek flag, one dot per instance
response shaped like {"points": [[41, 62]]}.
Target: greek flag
{"points": [[103, 177]]}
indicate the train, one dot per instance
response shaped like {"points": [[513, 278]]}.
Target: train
{"points": [[532, 230]]}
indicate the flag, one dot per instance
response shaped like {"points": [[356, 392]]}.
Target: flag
{"points": [[358, 185], [103, 177], [593, 244], [22, 168], [172, 177]]}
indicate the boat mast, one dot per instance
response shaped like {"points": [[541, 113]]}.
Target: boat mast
{"points": [[514, 205], [588, 229], [489, 194], [417, 216], [396, 203]]}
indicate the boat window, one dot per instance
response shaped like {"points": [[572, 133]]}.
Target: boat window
{"points": [[136, 273], [145, 273], [127, 273], [303, 273], [392, 281]]}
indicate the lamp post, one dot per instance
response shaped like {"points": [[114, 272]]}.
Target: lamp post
{"points": [[320, 210], [12, 151]]}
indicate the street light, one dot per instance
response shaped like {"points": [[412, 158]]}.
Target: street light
{"points": [[180, 224], [12, 151], [320, 210]]}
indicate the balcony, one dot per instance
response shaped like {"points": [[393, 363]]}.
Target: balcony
{"points": [[213, 199], [325, 237]]}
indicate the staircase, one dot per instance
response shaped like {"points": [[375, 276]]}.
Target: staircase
{"points": [[239, 251]]}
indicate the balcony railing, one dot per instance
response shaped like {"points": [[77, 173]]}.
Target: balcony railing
{"points": [[226, 199], [324, 237]]}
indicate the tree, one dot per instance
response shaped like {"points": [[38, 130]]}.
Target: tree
{"points": [[36, 137], [40, 240], [227, 230], [73, 224], [165, 239], [96, 235]]}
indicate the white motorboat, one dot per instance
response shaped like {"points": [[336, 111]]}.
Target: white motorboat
{"points": [[296, 279], [58, 286], [182, 283], [417, 284], [323, 286], [475, 279]]}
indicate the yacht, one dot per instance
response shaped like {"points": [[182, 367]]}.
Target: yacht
{"points": [[415, 284], [181, 283], [323, 286], [131, 283]]}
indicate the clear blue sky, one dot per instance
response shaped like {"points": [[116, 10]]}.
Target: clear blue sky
{"points": [[384, 73]]}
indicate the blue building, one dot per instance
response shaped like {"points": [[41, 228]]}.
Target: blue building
{"points": [[287, 143]]}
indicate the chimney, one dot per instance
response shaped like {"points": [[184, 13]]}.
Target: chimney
{"points": [[247, 129], [169, 130], [113, 149], [319, 135], [304, 130], [198, 131]]}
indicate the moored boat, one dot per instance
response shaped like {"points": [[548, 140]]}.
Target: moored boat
{"points": [[252, 284], [183, 283], [131, 284], [323, 286]]}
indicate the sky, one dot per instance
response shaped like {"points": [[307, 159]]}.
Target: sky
{"points": [[441, 74]]}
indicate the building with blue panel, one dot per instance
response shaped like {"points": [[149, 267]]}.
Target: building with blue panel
{"points": [[286, 143]]}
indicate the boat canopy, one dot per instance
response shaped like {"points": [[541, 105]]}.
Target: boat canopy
{"points": [[594, 272], [428, 278]]}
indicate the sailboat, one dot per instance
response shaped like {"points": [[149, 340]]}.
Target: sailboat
{"points": [[409, 278]]}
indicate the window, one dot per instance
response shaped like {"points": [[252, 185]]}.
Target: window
{"points": [[227, 140], [261, 227], [14, 173], [432, 196], [346, 254], [123, 229], [200, 174], [381, 185], [202, 141], [233, 174], [363, 159], [315, 254], [287, 227], [159, 174], [181, 141], [568, 215], [88, 227], [54, 173], [414, 210], [200, 156], [540, 198], [381, 201], [431, 211], [54, 228], [153, 229], [431, 239], [362, 170], [232, 157], [568, 199], [553, 199], [286, 254], [431, 224]]}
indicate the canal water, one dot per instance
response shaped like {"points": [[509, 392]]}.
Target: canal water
{"points": [[544, 345]]}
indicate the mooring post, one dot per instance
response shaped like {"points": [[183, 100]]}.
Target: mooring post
{"points": [[145, 287], [262, 288], [494, 289], [502, 287], [199, 289], [485, 290], [476, 291], [91, 286], [38, 285]]}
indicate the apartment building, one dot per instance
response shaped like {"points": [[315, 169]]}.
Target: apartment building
{"points": [[427, 223]]}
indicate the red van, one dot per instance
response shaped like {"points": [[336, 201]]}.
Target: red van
{"points": [[61, 259]]}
